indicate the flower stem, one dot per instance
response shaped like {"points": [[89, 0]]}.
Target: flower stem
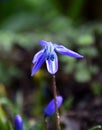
{"points": [[55, 101], [46, 123]]}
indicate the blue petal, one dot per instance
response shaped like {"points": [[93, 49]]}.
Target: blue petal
{"points": [[63, 50], [44, 43], [52, 64], [50, 108], [37, 56], [18, 123], [38, 63]]}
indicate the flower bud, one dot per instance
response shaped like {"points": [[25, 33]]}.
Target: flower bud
{"points": [[50, 108], [18, 123]]}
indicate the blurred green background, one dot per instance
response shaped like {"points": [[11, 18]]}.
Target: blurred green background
{"points": [[77, 24]]}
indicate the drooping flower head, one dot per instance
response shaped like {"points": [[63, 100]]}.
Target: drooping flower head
{"points": [[18, 123], [48, 54], [50, 108]]}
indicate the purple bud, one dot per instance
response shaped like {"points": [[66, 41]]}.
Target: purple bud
{"points": [[18, 123], [50, 108]]}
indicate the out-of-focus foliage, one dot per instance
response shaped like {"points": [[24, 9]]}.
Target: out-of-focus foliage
{"points": [[7, 109], [10, 70], [23, 23], [68, 103]]}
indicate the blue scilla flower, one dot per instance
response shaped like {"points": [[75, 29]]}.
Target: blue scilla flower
{"points": [[18, 123], [48, 54], [50, 108]]}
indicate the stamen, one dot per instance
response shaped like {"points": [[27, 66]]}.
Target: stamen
{"points": [[47, 57], [52, 57]]}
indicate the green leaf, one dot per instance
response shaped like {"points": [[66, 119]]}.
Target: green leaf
{"points": [[96, 127], [8, 103]]}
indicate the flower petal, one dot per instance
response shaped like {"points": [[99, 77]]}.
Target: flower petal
{"points": [[63, 50], [38, 63], [52, 64], [43, 43], [37, 56]]}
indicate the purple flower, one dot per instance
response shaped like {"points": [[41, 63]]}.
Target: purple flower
{"points": [[50, 108], [18, 123], [48, 55]]}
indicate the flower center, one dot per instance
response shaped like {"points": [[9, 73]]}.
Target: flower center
{"points": [[50, 57], [50, 50]]}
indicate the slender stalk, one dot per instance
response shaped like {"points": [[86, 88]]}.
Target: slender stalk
{"points": [[46, 123], [55, 101]]}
